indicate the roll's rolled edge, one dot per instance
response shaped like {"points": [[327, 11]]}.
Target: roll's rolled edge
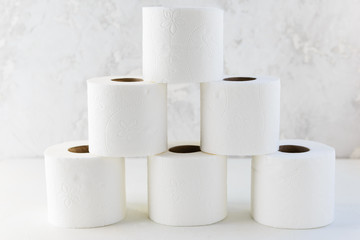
{"points": [[75, 149], [185, 149], [245, 80], [299, 149], [182, 8], [188, 9], [118, 80]]}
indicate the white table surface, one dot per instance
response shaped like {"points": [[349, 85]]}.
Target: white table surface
{"points": [[23, 208]]}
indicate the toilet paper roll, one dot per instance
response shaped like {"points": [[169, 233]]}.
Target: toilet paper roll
{"points": [[182, 44], [240, 116], [294, 187], [127, 117], [187, 187], [83, 190]]}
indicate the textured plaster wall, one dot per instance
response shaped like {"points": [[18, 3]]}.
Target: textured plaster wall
{"points": [[49, 48]]}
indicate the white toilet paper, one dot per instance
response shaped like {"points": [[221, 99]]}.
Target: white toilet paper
{"points": [[83, 190], [294, 187], [187, 187], [240, 116], [127, 117], [182, 44]]}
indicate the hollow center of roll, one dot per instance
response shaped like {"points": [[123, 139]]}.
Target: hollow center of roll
{"points": [[239, 79], [79, 149], [127, 80], [185, 149], [293, 149]]}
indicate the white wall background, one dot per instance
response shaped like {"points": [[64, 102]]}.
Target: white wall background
{"points": [[49, 48]]}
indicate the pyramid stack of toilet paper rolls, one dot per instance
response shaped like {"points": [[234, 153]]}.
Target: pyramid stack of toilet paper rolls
{"points": [[292, 184]]}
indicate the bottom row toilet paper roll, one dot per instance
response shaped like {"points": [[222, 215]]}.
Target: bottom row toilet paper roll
{"points": [[187, 187], [83, 190], [294, 187]]}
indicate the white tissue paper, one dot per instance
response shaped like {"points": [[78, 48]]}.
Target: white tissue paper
{"points": [[83, 190], [187, 188], [240, 116], [294, 189], [127, 117], [182, 44]]}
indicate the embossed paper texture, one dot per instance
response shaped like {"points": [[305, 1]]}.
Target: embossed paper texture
{"points": [[187, 189], [83, 190], [240, 117], [182, 44], [126, 119], [294, 190]]}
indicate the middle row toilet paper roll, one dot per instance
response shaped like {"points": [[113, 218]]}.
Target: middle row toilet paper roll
{"points": [[127, 117], [240, 116], [187, 187]]}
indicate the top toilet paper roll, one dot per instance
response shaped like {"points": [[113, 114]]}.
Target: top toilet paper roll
{"points": [[240, 116], [182, 44], [127, 117]]}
